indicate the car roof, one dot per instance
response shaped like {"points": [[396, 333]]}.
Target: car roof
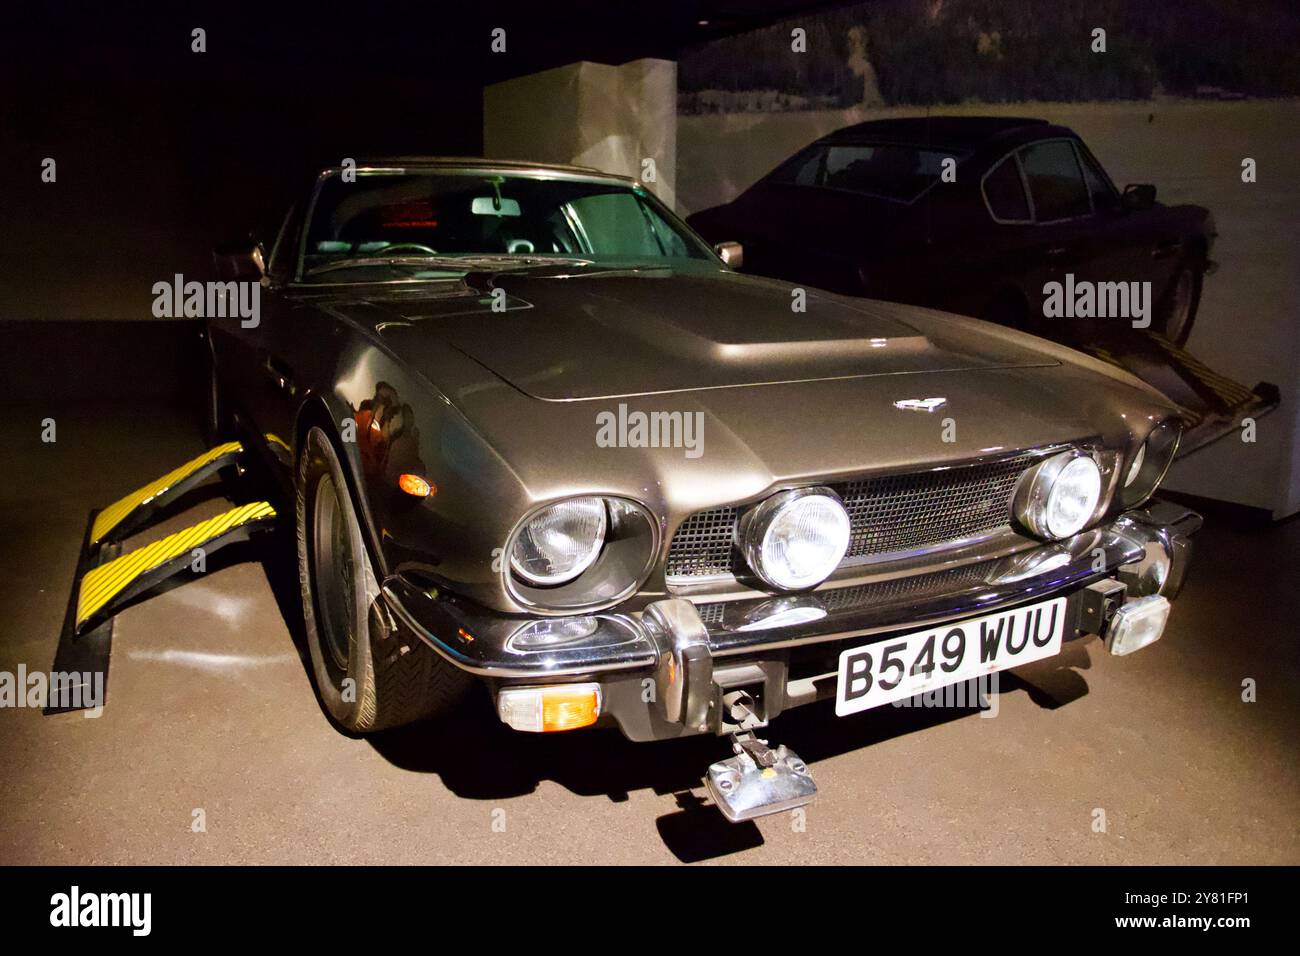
{"points": [[948, 132], [477, 163]]}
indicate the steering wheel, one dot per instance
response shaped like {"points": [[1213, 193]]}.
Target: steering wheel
{"points": [[406, 247]]}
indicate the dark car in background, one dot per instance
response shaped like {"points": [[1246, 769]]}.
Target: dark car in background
{"points": [[868, 210], [982, 216]]}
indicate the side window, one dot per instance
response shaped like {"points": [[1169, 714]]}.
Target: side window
{"points": [[1005, 193], [803, 170], [1099, 187], [284, 255], [1055, 181]]}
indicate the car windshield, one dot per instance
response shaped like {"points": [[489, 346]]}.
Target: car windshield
{"points": [[888, 171], [447, 222]]}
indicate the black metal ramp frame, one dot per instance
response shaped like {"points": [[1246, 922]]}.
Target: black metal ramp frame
{"points": [[107, 577]]}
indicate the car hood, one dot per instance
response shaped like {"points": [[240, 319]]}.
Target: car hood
{"points": [[586, 333]]}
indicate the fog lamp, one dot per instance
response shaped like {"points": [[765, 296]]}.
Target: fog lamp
{"points": [[550, 708], [795, 539], [1137, 624], [1058, 497], [554, 632]]}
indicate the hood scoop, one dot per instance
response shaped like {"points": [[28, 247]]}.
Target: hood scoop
{"points": [[615, 334]]}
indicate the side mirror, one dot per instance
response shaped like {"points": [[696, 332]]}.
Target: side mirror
{"points": [[241, 261], [731, 253], [1139, 196]]}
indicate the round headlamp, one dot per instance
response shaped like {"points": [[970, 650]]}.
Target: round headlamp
{"points": [[1058, 496], [795, 539], [1135, 469], [558, 543], [1152, 461]]}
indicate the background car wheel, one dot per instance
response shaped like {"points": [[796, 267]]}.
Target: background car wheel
{"points": [[369, 676], [1182, 299]]}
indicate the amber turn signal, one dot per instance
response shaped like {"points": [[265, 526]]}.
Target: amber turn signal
{"points": [[551, 708], [415, 486]]}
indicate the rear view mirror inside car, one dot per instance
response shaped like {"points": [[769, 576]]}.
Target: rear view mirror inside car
{"points": [[494, 206]]}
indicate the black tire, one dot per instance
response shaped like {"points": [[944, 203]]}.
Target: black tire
{"points": [[370, 676], [1176, 312]]}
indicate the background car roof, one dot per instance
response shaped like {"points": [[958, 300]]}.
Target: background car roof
{"points": [[948, 132], [474, 162]]}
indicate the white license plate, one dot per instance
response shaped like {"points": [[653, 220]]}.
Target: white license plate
{"points": [[922, 661]]}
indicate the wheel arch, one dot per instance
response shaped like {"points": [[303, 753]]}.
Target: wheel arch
{"points": [[315, 411]]}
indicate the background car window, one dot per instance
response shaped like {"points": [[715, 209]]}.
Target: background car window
{"points": [[803, 170], [1055, 182], [1005, 193], [892, 172], [1103, 195]]}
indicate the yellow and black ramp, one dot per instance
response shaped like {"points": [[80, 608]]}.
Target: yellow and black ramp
{"points": [[107, 577], [109, 585], [128, 513]]}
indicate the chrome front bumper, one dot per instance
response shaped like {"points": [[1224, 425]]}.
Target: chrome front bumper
{"points": [[691, 652]]}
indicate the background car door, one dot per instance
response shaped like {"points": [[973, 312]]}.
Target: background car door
{"points": [[797, 225], [1132, 245]]}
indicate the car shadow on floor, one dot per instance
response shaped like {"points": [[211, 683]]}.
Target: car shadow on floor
{"points": [[478, 758]]}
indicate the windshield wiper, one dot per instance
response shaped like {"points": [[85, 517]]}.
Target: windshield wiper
{"points": [[523, 259], [370, 262], [458, 263]]}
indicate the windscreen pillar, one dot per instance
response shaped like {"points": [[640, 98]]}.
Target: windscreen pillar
{"points": [[618, 119]]}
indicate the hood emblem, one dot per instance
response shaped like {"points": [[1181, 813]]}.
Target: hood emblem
{"points": [[920, 404]]}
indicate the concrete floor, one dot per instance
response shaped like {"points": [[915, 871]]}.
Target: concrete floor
{"points": [[211, 709]]}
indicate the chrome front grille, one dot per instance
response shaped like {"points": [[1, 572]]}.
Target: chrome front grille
{"points": [[889, 515], [895, 591]]}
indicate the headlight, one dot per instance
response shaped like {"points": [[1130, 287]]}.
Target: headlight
{"points": [[1058, 496], [1135, 469], [795, 539], [1151, 463], [581, 554], [560, 542]]}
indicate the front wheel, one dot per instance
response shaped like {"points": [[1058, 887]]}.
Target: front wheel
{"points": [[370, 676]]}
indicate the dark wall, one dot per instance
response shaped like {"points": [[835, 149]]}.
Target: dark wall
{"points": [[45, 365], [161, 152]]}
